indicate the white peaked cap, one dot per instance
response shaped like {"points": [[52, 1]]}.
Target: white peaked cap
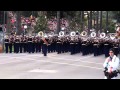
{"points": [[45, 36], [118, 29]]}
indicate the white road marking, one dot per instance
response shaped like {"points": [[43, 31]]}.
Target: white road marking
{"points": [[68, 64], [43, 71], [75, 65], [78, 60]]}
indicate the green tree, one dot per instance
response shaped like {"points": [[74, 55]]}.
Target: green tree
{"points": [[41, 23], [116, 15]]}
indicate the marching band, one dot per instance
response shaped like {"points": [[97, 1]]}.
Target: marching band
{"points": [[73, 43]]}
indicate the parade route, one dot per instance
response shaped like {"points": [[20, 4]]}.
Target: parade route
{"points": [[54, 66]]}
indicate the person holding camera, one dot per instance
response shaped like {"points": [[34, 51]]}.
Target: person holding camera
{"points": [[111, 65]]}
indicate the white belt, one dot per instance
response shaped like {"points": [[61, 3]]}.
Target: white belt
{"points": [[115, 47], [106, 44]]}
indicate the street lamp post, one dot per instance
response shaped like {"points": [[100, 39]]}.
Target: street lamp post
{"points": [[100, 21], [88, 16], [97, 20], [58, 22], [25, 27]]}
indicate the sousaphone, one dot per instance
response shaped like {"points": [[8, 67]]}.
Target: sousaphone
{"points": [[61, 33], [102, 35], [93, 34], [112, 36], [72, 33], [84, 33]]}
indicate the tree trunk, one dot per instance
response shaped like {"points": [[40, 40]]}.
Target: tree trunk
{"points": [[106, 22], [18, 22], [8, 29], [100, 21], [58, 22], [94, 21], [82, 20], [97, 19], [90, 19]]}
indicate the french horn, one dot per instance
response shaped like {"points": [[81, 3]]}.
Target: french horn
{"points": [[40, 33], [93, 34], [72, 33], [112, 36], [84, 33], [102, 35]]}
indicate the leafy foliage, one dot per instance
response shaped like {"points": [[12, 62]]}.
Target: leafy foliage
{"points": [[111, 25], [41, 24]]}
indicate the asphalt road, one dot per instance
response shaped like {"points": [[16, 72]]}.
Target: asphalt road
{"points": [[54, 66]]}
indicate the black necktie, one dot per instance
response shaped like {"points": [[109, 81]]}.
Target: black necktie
{"points": [[111, 58]]}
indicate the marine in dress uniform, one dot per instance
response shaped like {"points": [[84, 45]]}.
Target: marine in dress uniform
{"points": [[76, 46], [14, 44], [40, 45], [17, 44], [30, 44], [21, 44], [72, 46], [45, 46], [25, 44], [96, 48], [52, 44], [49, 45], [36, 44], [33, 44], [11, 44], [6, 44], [116, 47], [84, 47], [106, 48], [59, 45]]}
